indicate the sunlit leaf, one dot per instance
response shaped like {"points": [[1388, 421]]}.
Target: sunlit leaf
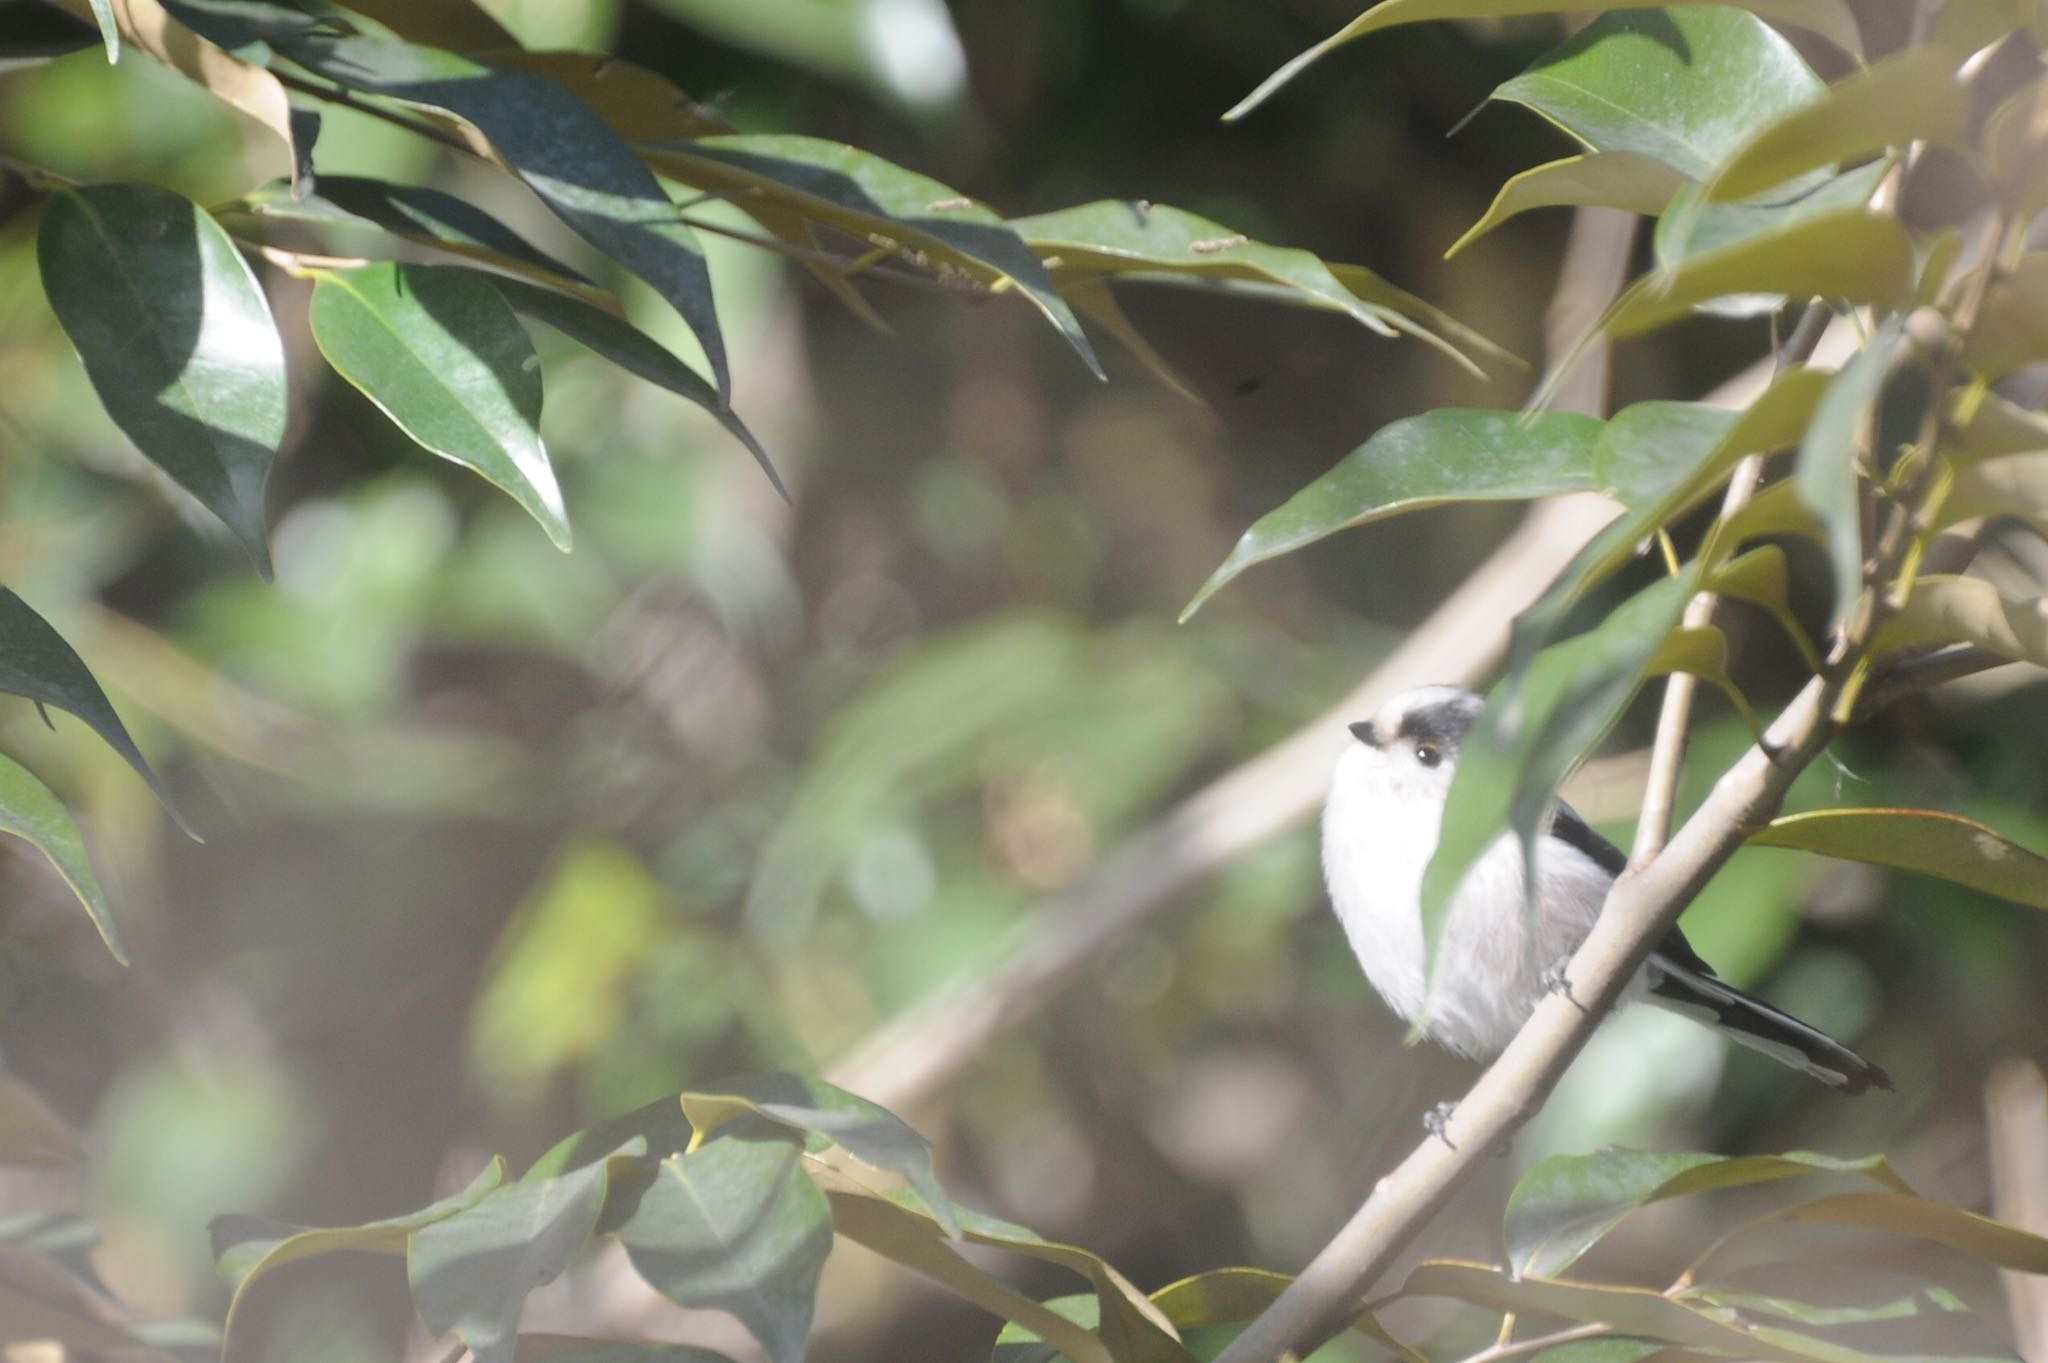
{"points": [[470, 1272], [632, 350], [865, 1130], [177, 338], [1924, 840], [1692, 226], [1852, 255], [1996, 427], [36, 662], [1911, 97], [736, 1225], [1829, 18], [439, 351], [1763, 578], [1981, 1237], [1945, 610], [2012, 329], [2013, 485], [860, 193], [1448, 455], [1567, 1203], [1683, 86], [245, 1248], [28, 810], [31, 1135], [1613, 179]]}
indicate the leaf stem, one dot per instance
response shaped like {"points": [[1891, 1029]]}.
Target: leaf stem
{"points": [[1507, 1348]]}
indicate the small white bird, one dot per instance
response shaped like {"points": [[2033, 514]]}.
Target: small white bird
{"points": [[1380, 828]]}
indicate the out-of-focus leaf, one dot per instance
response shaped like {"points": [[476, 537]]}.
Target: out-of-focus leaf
{"points": [[1447, 455], [1763, 578], [40, 1300], [2011, 485], [635, 103], [1945, 610], [110, 32], [439, 351], [634, 351], [737, 1226], [39, 34], [1924, 840], [1567, 1203], [1998, 427], [470, 1272], [1692, 226], [1981, 1237], [1702, 651], [1378, 290], [1684, 86], [1774, 511], [1093, 299], [1017, 1343], [2012, 329], [31, 1135], [459, 25], [245, 1248], [860, 193], [867, 1131], [1911, 97], [1607, 1350], [1629, 180], [36, 662], [1829, 18], [569, 1349], [177, 338], [2016, 144], [29, 811], [1853, 255]]}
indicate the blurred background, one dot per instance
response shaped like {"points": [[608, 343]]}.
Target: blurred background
{"points": [[500, 842]]}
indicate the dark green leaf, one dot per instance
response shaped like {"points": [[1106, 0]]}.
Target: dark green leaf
{"points": [[176, 337], [1684, 86], [865, 1130], [36, 662], [1442, 456], [1614, 179], [736, 1225], [1826, 473], [470, 1272], [1923, 840], [632, 350], [859, 192], [245, 1248], [1831, 19], [28, 810], [1565, 1205], [439, 351]]}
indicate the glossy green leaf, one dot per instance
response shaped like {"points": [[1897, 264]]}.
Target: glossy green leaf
{"points": [[865, 1130], [470, 1272], [32, 1136], [439, 351], [177, 338], [737, 1226], [1567, 1203], [1683, 86], [1537, 725], [1832, 19], [632, 350], [860, 193], [2012, 329], [1924, 840], [1853, 255], [1627, 180], [1449, 455], [1914, 96], [1968, 610], [245, 1248], [35, 662], [28, 810], [1692, 226]]}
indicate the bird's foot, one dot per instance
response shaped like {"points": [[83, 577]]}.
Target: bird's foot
{"points": [[1437, 1119], [1557, 980]]}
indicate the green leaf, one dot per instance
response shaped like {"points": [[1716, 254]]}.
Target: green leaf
{"points": [[1911, 97], [1701, 651], [1627, 180], [867, 1131], [1967, 610], [177, 338], [1981, 1237], [632, 350], [1683, 86], [439, 351], [859, 192], [1832, 19], [567, 1349], [36, 662], [2013, 485], [2016, 145], [736, 1226], [2012, 329], [1448, 455], [245, 1248], [1692, 226], [1995, 427], [1567, 1203], [1924, 840], [1763, 578], [1017, 1343], [660, 1126], [1852, 255], [32, 1136], [1827, 469], [470, 1272], [28, 810]]}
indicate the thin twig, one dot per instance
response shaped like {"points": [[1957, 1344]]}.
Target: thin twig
{"points": [[1506, 1348]]}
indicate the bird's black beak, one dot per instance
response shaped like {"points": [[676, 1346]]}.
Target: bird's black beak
{"points": [[1364, 732]]}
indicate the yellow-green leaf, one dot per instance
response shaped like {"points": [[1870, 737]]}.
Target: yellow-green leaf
{"points": [[1924, 840], [1615, 179], [1967, 610]]}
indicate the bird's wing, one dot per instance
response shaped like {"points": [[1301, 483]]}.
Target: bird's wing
{"points": [[1567, 827]]}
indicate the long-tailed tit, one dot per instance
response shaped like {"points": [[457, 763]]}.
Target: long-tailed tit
{"points": [[1380, 828]]}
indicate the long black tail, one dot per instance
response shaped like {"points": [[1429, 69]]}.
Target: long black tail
{"points": [[1757, 1025]]}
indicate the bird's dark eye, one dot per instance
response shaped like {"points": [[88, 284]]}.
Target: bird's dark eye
{"points": [[1428, 754]]}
